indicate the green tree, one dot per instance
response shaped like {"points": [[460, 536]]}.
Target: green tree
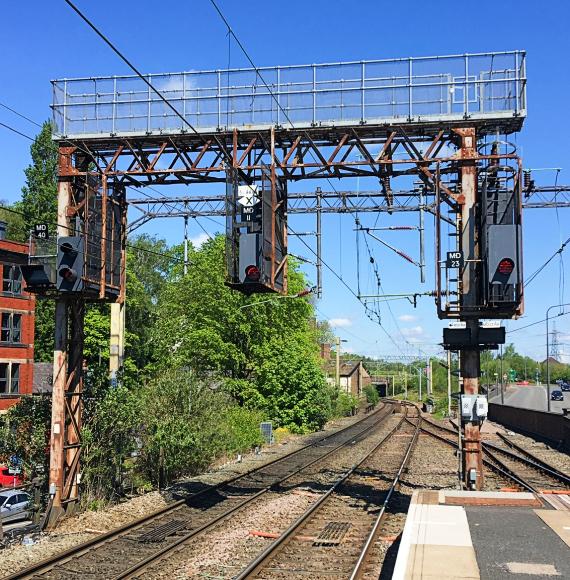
{"points": [[149, 268], [39, 195], [39, 205], [206, 326], [12, 215]]}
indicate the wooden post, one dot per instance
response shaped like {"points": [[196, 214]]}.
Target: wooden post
{"points": [[56, 470]]}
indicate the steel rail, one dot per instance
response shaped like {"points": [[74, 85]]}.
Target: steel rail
{"points": [[510, 472], [531, 461], [498, 467], [48, 563], [258, 563], [534, 458], [359, 567], [528, 462]]}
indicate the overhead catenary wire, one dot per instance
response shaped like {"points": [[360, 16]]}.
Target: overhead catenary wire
{"points": [[366, 308], [3, 105], [262, 79], [100, 238], [21, 115], [108, 42], [16, 131], [87, 152], [541, 268], [537, 322]]}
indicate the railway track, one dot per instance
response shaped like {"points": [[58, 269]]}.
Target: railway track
{"points": [[512, 461], [450, 437], [536, 476], [128, 550], [338, 533]]}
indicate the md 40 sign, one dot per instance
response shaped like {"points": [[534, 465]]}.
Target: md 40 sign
{"points": [[41, 231], [454, 260]]}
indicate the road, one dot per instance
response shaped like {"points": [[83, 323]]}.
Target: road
{"points": [[529, 397]]}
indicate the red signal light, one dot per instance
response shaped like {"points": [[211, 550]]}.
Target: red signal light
{"points": [[252, 273], [506, 266], [68, 274]]}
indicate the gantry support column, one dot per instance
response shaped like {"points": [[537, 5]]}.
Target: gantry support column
{"points": [[65, 442], [117, 347], [470, 357]]}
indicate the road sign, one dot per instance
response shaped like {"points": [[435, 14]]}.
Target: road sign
{"points": [[454, 260], [457, 324], [41, 231]]}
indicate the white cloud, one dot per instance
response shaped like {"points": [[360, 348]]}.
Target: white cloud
{"points": [[413, 331], [199, 239], [340, 322], [407, 318]]}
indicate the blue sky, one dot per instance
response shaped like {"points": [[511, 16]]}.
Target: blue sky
{"points": [[46, 40]]}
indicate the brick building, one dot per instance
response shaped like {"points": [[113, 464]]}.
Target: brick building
{"points": [[353, 377], [16, 325]]}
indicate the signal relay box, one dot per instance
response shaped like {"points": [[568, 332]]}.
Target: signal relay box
{"points": [[474, 407]]}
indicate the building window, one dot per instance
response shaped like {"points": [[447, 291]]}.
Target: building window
{"points": [[11, 328], [15, 379], [9, 378], [11, 280]]}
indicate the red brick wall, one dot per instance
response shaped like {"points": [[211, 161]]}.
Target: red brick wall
{"points": [[24, 304]]}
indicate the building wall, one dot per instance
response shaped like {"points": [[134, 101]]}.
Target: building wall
{"points": [[14, 301]]}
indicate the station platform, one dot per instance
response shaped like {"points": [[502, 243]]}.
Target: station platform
{"points": [[488, 535]]}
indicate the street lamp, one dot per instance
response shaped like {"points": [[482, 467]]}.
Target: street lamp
{"points": [[548, 353]]}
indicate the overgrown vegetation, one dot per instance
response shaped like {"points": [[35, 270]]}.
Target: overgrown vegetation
{"points": [[372, 396]]}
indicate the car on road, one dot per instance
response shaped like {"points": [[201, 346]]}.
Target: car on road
{"points": [[564, 386], [14, 505], [557, 396]]}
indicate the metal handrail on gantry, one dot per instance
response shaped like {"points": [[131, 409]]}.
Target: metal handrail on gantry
{"points": [[480, 87]]}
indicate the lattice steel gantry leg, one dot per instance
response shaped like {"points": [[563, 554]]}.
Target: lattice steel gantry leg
{"points": [[470, 357], [92, 220]]}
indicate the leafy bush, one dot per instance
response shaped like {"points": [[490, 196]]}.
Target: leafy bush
{"points": [[24, 431], [281, 434], [344, 404], [186, 426], [109, 437], [239, 429], [372, 396]]}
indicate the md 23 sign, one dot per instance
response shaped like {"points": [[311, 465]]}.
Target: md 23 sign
{"points": [[454, 260]]}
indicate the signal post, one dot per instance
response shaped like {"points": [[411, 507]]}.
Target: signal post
{"points": [[470, 357]]}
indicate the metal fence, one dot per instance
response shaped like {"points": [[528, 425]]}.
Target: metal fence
{"points": [[477, 86]]}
